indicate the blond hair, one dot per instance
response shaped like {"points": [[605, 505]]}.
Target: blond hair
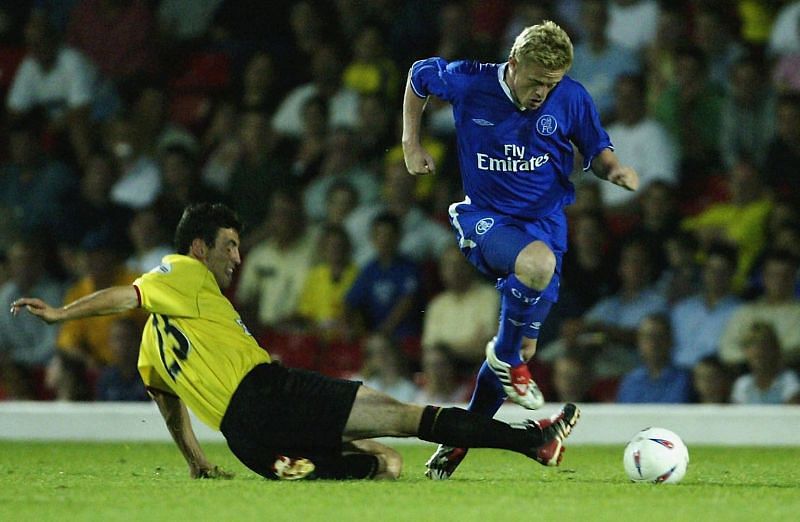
{"points": [[545, 43]]}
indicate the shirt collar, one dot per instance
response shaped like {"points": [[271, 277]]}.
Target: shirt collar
{"points": [[501, 77]]}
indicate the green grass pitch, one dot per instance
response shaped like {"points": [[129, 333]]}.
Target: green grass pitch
{"points": [[149, 482]]}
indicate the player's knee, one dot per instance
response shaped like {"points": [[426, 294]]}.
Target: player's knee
{"points": [[536, 265]]}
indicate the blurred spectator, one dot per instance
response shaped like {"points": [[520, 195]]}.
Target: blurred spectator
{"points": [[573, 379], [748, 114], [309, 153], [421, 238], [712, 381], [739, 222], [182, 185], [260, 171], [374, 132], [681, 275], [661, 53], [714, 32], [259, 85], [32, 186], [784, 35], [275, 270], [371, 71], [598, 62], [120, 380], [340, 201], [784, 234], [690, 110], [60, 82], [633, 23], [768, 381], [608, 329], [587, 274], [83, 344], [456, 40], [326, 71], [639, 141], [659, 218], [777, 306], [342, 161], [656, 380], [699, 321], [26, 346], [463, 317], [756, 20], [783, 152], [150, 241], [92, 203], [221, 145], [186, 22], [139, 181], [385, 369], [321, 302], [119, 36], [148, 115], [439, 382], [386, 291]]}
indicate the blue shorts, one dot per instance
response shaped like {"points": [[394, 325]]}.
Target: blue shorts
{"points": [[491, 241]]}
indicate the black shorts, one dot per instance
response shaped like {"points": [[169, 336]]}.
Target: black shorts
{"points": [[278, 411]]}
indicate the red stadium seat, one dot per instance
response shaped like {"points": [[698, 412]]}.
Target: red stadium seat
{"points": [[203, 72], [10, 58]]}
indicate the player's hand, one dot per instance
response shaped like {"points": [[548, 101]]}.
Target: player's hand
{"points": [[625, 177], [211, 472], [37, 307], [418, 161]]}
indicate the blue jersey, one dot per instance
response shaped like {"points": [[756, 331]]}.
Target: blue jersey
{"points": [[514, 162]]}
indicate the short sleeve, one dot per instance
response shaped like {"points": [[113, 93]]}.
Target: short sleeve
{"points": [[162, 291], [432, 76], [588, 133]]}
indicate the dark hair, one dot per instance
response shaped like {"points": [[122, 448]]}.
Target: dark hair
{"points": [[203, 221], [781, 255], [386, 218], [725, 251]]}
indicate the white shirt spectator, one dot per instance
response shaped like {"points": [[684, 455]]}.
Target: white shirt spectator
{"points": [[68, 84], [632, 26], [785, 35], [785, 386], [649, 149], [139, 185], [342, 110]]}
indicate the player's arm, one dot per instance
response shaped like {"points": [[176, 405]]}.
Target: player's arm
{"points": [[111, 300], [606, 166], [418, 160], [179, 424]]}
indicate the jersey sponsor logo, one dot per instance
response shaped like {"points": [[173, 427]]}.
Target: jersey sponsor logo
{"points": [[546, 124], [515, 160], [483, 226], [482, 122]]}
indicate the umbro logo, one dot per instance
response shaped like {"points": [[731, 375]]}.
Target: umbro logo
{"points": [[482, 122]]}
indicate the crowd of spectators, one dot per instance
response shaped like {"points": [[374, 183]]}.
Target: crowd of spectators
{"points": [[118, 113]]}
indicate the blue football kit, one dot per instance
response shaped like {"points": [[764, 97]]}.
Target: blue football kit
{"points": [[515, 166]]}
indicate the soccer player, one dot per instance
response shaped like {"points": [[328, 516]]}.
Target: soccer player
{"points": [[281, 423], [516, 123]]}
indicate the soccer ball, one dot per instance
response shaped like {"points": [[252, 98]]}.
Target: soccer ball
{"points": [[656, 455]]}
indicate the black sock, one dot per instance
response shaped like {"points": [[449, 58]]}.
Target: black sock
{"points": [[463, 429]]}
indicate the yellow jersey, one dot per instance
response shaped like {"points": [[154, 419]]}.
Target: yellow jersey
{"points": [[194, 344]]}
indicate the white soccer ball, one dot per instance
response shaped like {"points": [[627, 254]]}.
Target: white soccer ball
{"points": [[656, 455]]}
